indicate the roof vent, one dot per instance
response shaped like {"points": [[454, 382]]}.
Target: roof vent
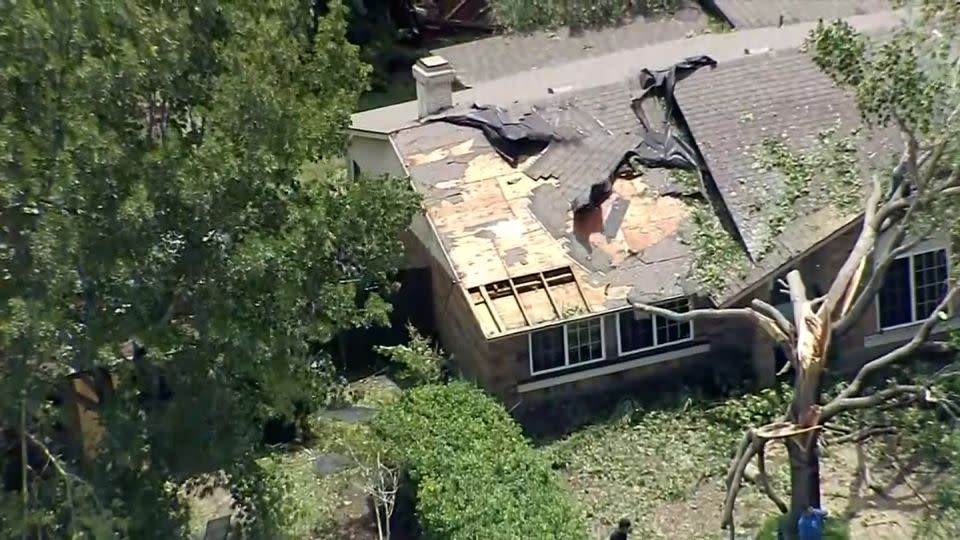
{"points": [[434, 77]]}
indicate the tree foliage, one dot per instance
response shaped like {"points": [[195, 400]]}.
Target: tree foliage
{"points": [[476, 475], [163, 180], [529, 15]]}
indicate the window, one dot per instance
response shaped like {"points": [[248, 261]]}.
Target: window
{"points": [[913, 287], [639, 331], [567, 345]]}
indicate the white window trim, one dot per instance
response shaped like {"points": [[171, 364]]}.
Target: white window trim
{"points": [[566, 347], [609, 369], [913, 300], [621, 352]]}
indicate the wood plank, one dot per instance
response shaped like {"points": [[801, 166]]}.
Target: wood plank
{"points": [[576, 279], [516, 297], [493, 311], [546, 287]]}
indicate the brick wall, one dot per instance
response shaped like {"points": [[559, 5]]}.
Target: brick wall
{"points": [[459, 333]]}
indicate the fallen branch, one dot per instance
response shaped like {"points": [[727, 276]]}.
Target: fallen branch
{"points": [[863, 435], [749, 447]]}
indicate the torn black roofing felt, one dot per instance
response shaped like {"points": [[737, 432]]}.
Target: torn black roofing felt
{"points": [[663, 144], [587, 137], [511, 138]]}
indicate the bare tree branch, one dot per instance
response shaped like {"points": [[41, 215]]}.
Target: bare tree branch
{"points": [[748, 448], [862, 435], [763, 481], [766, 309], [898, 354], [762, 320], [838, 406]]}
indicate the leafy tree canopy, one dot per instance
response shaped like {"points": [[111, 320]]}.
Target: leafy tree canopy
{"points": [[162, 179]]}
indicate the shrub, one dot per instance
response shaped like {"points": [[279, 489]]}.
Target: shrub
{"points": [[419, 361], [475, 473]]}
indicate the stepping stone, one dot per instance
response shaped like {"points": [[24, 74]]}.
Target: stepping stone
{"points": [[327, 464]]}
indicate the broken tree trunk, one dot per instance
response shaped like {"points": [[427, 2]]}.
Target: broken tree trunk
{"points": [[813, 339]]}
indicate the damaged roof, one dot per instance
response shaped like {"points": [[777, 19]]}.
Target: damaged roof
{"points": [[502, 56], [764, 13], [519, 249], [526, 258]]}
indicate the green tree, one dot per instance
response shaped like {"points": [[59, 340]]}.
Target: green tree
{"points": [[909, 82], [163, 180]]}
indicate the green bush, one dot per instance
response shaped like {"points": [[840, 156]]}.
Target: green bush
{"points": [[476, 475], [833, 529], [418, 361]]}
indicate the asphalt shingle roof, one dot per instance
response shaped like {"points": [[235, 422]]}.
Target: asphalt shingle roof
{"points": [[763, 13], [732, 110], [502, 56], [534, 84]]}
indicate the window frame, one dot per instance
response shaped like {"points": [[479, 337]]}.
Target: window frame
{"points": [[566, 346], [913, 290], [653, 324]]}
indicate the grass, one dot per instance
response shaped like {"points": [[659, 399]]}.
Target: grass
{"points": [[634, 468]]}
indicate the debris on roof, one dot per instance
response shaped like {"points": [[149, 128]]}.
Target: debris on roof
{"points": [[512, 138], [517, 247]]}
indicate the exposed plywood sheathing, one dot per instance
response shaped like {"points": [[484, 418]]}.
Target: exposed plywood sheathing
{"points": [[502, 229]]}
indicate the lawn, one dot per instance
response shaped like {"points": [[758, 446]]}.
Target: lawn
{"points": [[664, 470], [653, 468]]}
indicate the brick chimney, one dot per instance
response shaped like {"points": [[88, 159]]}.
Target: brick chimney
{"points": [[434, 78]]}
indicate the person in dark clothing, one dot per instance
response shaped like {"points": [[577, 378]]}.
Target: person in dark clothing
{"points": [[623, 530]]}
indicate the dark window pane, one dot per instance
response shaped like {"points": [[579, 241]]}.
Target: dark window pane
{"points": [[585, 340], [930, 281], [779, 295], [894, 298], [669, 331], [635, 333], [546, 349]]}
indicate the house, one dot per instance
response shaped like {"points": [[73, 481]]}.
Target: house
{"points": [[546, 215]]}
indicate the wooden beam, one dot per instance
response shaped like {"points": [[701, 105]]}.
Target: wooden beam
{"points": [[490, 308], [576, 280], [546, 287], [516, 296]]}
